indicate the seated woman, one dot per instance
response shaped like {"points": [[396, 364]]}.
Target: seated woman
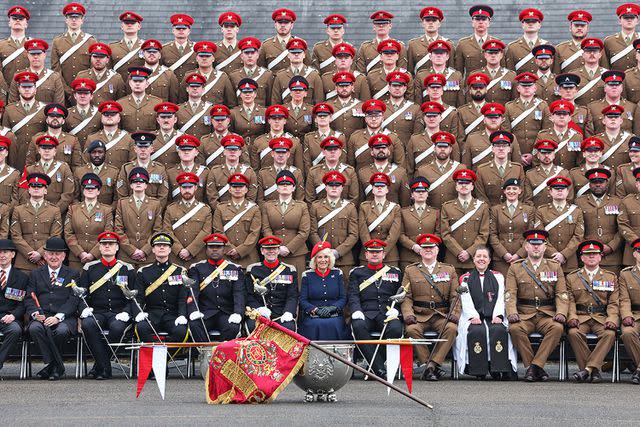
{"points": [[322, 297], [483, 345]]}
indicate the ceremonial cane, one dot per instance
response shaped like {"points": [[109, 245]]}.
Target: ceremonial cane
{"points": [[188, 283], [49, 332], [82, 293], [462, 289]]}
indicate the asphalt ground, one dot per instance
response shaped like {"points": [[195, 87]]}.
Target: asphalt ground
{"points": [[464, 402]]}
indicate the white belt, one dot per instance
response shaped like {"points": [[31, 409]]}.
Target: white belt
{"points": [[196, 117], [214, 155], [524, 60], [13, 56], [382, 217], [621, 54], [187, 216], [181, 61], [74, 48], [525, 113], [474, 124], [228, 61], [328, 217], [330, 60], [392, 117], [85, 122], [560, 218], [570, 59], [127, 57], [466, 216], [237, 218], [422, 61], [444, 176], [115, 140], [278, 59], [373, 62], [613, 148]]}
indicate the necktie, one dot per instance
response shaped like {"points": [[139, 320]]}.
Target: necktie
{"points": [[501, 171], [249, 111], [296, 110], [194, 106], [138, 102], [627, 39], [89, 207], [180, 50], [591, 73], [3, 279], [283, 206], [53, 278], [26, 107], [82, 113], [419, 210], [332, 205], [492, 72], [249, 73], [544, 79], [535, 267], [74, 36], [379, 206], [598, 202], [481, 42], [530, 43], [512, 210], [130, 44], [36, 206], [296, 72], [465, 205], [96, 170], [138, 203]]}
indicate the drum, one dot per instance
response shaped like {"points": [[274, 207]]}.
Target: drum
{"points": [[323, 375]]}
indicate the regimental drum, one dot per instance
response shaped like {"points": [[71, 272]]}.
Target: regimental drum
{"points": [[323, 375]]}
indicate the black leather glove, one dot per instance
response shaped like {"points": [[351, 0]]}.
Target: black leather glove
{"points": [[333, 310], [323, 312]]}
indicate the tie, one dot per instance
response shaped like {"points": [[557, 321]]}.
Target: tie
{"points": [[26, 107], [138, 204], [501, 171], [130, 44], [90, 207], [249, 73], [283, 206], [535, 267], [332, 205], [530, 43], [296, 110], [465, 205], [53, 278], [194, 106], [180, 50], [74, 36], [296, 72], [249, 111], [627, 39], [492, 72], [82, 113], [36, 206], [109, 136], [544, 79], [379, 206], [481, 42], [598, 202], [419, 210], [3, 279], [138, 102], [512, 210], [591, 73]]}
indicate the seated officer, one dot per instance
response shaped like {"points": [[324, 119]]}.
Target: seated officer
{"points": [[279, 302], [218, 296], [629, 310], [431, 288], [371, 307], [13, 289], [593, 308], [161, 294]]}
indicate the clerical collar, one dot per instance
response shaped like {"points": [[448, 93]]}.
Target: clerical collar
{"points": [[215, 262], [374, 267], [482, 273], [321, 274], [271, 265], [108, 263]]}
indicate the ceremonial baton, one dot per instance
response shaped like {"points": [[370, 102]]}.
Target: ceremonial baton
{"points": [[49, 332]]}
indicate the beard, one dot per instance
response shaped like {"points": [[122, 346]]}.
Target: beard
{"points": [[478, 96]]}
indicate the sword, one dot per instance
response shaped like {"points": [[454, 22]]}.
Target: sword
{"points": [[52, 343], [188, 283]]}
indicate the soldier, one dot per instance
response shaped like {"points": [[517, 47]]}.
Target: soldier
{"points": [[348, 116], [218, 89], [138, 108], [164, 144], [536, 179], [629, 307], [217, 183], [619, 47], [632, 75], [371, 306], [568, 54], [417, 219], [288, 219], [137, 218], [178, 54], [261, 146], [228, 58], [61, 186], [418, 51], [14, 286], [368, 57], [272, 52], [125, 53], [380, 219], [322, 57], [592, 149], [106, 305], [312, 152], [161, 294], [83, 118], [527, 115], [300, 119], [211, 148], [614, 137], [193, 114], [546, 88], [280, 302], [281, 90], [9, 180], [449, 120], [69, 150], [439, 171], [118, 142], [403, 116], [421, 147], [343, 54], [563, 133], [260, 76], [470, 118], [567, 91], [591, 85], [331, 154], [501, 87], [627, 223], [69, 54], [187, 222], [625, 179], [162, 82], [12, 55], [33, 222], [593, 308], [468, 54], [564, 221], [358, 142], [157, 185], [187, 146], [240, 220], [389, 51], [85, 220], [51, 304], [440, 55], [334, 219], [613, 87], [109, 84], [248, 118], [398, 181], [536, 300], [518, 56], [492, 175], [507, 221], [108, 174], [219, 292]]}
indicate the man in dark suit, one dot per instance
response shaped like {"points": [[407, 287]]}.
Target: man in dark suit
{"points": [[13, 289], [55, 306]]}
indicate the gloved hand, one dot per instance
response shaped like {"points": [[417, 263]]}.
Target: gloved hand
{"points": [[123, 317], [86, 312], [141, 316], [264, 312], [513, 318], [332, 310], [611, 326], [573, 323], [628, 321], [286, 317], [322, 312], [560, 318], [196, 315], [235, 318], [357, 315], [410, 320], [180, 320], [392, 313]]}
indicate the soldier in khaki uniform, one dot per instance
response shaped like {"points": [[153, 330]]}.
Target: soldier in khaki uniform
{"points": [[592, 149], [281, 89], [334, 219], [418, 52], [403, 117], [536, 300], [300, 119], [632, 77], [464, 224], [312, 153], [259, 148], [118, 142], [440, 54], [591, 86], [248, 119], [348, 116], [431, 290], [69, 150], [193, 114], [322, 57], [468, 54], [109, 84], [164, 144], [218, 89], [163, 83], [507, 221], [125, 53], [33, 222], [249, 69], [567, 91], [377, 79], [240, 220], [564, 222], [492, 175], [502, 81], [629, 219], [613, 88], [9, 176], [470, 119], [85, 220], [567, 54], [615, 138], [97, 165], [228, 53], [420, 149], [188, 221], [343, 54], [368, 57], [178, 54], [617, 47], [478, 147], [546, 88], [564, 134], [331, 160], [137, 218], [593, 308], [138, 112], [449, 120], [625, 179], [272, 55], [380, 219], [417, 219], [187, 147], [536, 179], [18, 23], [267, 176], [83, 118], [518, 56], [629, 282]]}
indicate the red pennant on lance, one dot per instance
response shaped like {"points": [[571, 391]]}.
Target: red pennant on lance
{"points": [[145, 360], [573, 125], [406, 364], [255, 369], [23, 180]]}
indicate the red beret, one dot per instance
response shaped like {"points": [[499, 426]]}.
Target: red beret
{"points": [[321, 245], [216, 239], [561, 106], [526, 78], [628, 9], [237, 180], [219, 110], [281, 143], [151, 44], [270, 242], [4, 141], [322, 107], [36, 45], [545, 144], [398, 77], [375, 245], [494, 44], [430, 107], [296, 44], [343, 77], [559, 181], [26, 77], [492, 109], [19, 11], [381, 15], [195, 78], [205, 47], [613, 110], [435, 79], [439, 45], [331, 141]]}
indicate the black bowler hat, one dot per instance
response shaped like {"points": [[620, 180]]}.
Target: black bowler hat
{"points": [[55, 244], [7, 245]]}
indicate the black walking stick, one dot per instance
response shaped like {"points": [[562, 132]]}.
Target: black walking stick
{"points": [[52, 342]]}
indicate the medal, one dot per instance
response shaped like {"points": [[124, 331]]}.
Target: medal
{"points": [[307, 119], [98, 216], [58, 177], [206, 120], [408, 115], [110, 88], [505, 84], [109, 182], [537, 115], [150, 214], [66, 149], [525, 217]]}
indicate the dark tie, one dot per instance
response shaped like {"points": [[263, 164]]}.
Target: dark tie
{"points": [[3, 279], [53, 278]]}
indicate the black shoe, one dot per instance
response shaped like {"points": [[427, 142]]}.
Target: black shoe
{"points": [[495, 375], [481, 377], [100, 375], [93, 372], [595, 376], [635, 378], [45, 372], [581, 376], [430, 374], [439, 372], [542, 374], [506, 376], [531, 375]]}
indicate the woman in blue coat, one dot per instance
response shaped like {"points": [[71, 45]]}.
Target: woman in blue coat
{"points": [[323, 297]]}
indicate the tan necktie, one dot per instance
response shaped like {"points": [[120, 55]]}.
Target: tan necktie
{"points": [[138, 102], [130, 44], [501, 170], [379, 207], [89, 207], [512, 210], [283, 206], [138, 204], [250, 73], [36, 206], [591, 73], [82, 113], [296, 110], [544, 79], [74, 36], [180, 49], [420, 210], [530, 43], [194, 106], [465, 205], [332, 205], [481, 42]]}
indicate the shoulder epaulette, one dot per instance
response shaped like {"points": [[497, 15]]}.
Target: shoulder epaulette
{"points": [[627, 269], [144, 266], [290, 266], [90, 263], [250, 266], [126, 264], [196, 263]]}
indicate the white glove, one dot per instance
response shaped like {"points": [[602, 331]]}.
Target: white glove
{"points": [[196, 315], [86, 312], [264, 312], [392, 312], [235, 318], [123, 317], [286, 317], [141, 316], [180, 320], [336, 254], [357, 315]]}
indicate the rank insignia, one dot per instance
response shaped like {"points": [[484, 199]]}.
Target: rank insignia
{"points": [[477, 348], [499, 347]]}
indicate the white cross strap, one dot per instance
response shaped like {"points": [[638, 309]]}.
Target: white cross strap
{"points": [[182, 60], [420, 157], [373, 62], [466, 216], [229, 60], [382, 217], [621, 54], [196, 117], [115, 140], [495, 81], [83, 124], [328, 217], [523, 61], [379, 94], [47, 73], [564, 142], [560, 218], [237, 218], [166, 146], [392, 117], [482, 155], [369, 187], [344, 109], [110, 73], [127, 57], [152, 79], [278, 59], [587, 87], [543, 184], [422, 61], [571, 59], [615, 147], [525, 113], [209, 86], [194, 210], [13, 56], [74, 48], [444, 176], [54, 169], [330, 60], [27, 119], [214, 155], [474, 124]]}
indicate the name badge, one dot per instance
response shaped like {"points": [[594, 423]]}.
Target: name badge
{"points": [[441, 277], [284, 279], [408, 115], [59, 176], [14, 294], [548, 276], [391, 277], [109, 181], [66, 149], [229, 275], [150, 214], [611, 210], [505, 84], [175, 280], [206, 120], [603, 285], [573, 146], [122, 280], [98, 217], [110, 88], [307, 119], [537, 115], [259, 120]]}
